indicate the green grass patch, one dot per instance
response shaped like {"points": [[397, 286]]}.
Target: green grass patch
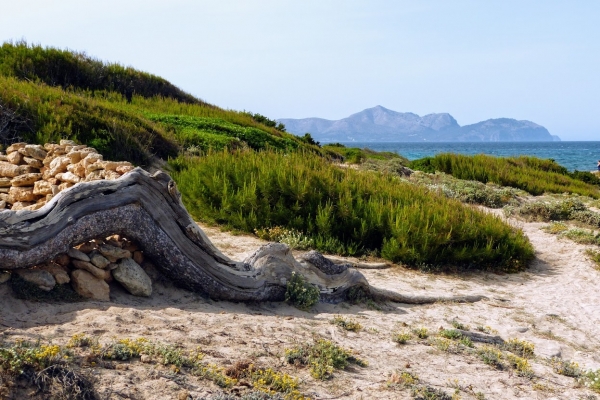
{"points": [[534, 175], [323, 357], [354, 155], [346, 211]]}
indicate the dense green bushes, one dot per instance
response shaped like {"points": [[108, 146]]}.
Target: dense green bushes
{"points": [[52, 114], [346, 211], [531, 174], [204, 132], [69, 69]]}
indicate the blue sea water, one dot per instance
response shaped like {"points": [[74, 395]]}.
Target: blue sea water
{"points": [[581, 156]]}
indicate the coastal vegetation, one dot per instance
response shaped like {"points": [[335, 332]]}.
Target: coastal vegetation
{"points": [[533, 175], [346, 211], [243, 171]]}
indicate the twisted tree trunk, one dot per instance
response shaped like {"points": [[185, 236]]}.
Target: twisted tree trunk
{"points": [[148, 210]]}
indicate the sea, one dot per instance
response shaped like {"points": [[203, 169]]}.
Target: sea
{"points": [[580, 156]]}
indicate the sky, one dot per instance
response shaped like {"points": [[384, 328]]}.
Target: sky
{"points": [[537, 60]]}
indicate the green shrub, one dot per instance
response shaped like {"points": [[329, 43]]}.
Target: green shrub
{"points": [[346, 211], [566, 368], [323, 357], [401, 338], [471, 192], [300, 293], [531, 174], [346, 324]]}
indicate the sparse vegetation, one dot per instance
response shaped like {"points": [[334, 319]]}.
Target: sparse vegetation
{"points": [[401, 338], [534, 175], [300, 293], [521, 348], [566, 368], [346, 211], [346, 324], [594, 256], [323, 357], [421, 333]]}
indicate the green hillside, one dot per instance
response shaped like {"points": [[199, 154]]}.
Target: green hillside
{"points": [[243, 170], [48, 94]]}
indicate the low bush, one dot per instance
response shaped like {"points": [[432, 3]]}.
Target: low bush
{"points": [[472, 192], [346, 324], [534, 175], [346, 211], [323, 357], [300, 293]]}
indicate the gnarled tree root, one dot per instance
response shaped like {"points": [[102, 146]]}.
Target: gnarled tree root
{"points": [[148, 210]]}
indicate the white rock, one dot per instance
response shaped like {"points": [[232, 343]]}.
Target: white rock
{"points": [[133, 278]]}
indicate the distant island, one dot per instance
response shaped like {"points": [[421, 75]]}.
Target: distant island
{"points": [[379, 124]]}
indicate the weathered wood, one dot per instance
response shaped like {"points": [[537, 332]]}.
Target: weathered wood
{"points": [[148, 210]]}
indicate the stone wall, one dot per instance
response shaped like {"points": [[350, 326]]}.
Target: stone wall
{"points": [[30, 174]]}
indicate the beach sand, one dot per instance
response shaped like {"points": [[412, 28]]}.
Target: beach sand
{"points": [[555, 305]]}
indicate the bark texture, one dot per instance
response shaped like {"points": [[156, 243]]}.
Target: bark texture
{"points": [[147, 209]]}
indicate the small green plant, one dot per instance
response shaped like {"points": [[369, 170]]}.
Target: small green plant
{"points": [[594, 256], [402, 379], [293, 238], [300, 293], [443, 344], [520, 365], [521, 348], [323, 357], [450, 334], [458, 325], [555, 228], [429, 393], [421, 333], [346, 324], [566, 368], [401, 338], [466, 341], [582, 236], [82, 340], [491, 356], [591, 380]]}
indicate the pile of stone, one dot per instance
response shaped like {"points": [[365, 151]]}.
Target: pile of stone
{"points": [[30, 174], [91, 266]]}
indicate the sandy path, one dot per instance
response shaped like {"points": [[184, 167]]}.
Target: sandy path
{"points": [[555, 305]]}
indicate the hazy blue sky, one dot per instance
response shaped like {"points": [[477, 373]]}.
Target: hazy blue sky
{"points": [[525, 59]]}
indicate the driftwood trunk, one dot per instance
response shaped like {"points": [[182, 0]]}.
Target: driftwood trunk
{"points": [[148, 210]]}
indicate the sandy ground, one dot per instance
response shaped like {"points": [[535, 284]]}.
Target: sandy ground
{"points": [[555, 305]]}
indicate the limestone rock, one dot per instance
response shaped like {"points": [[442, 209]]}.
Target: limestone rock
{"points": [[15, 147], [33, 162], [78, 255], [68, 177], [133, 278], [2, 204], [25, 180], [15, 158], [59, 164], [89, 267], [42, 188], [64, 185], [87, 285], [35, 151], [9, 170], [5, 182], [113, 253], [58, 272], [21, 205], [17, 193], [98, 259], [43, 279], [77, 169], [124, 169]]}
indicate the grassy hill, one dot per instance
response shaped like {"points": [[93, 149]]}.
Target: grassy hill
{"points": [[243, 170], [48, 94]]}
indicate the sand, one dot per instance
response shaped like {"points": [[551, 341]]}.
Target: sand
{"points": [[555, 305]]}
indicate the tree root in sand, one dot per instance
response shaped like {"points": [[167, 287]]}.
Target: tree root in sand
{"points": [[148, 209]]}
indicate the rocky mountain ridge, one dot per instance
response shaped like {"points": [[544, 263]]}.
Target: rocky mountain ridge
{"points": [[379, 124]]}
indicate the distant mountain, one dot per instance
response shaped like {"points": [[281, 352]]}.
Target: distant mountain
{"points": [[378, 124]]}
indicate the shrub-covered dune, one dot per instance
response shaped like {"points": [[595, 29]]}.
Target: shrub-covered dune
{"points": [[346, 211], [250, 173], [531, 174]]}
